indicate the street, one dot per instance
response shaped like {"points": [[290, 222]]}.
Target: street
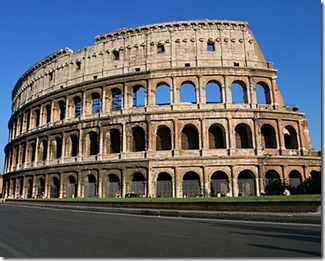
{"points": [[31, 232]]}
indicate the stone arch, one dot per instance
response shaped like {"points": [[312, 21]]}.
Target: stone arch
{"points": [[243, 136], [138, 96], [295, 178], [138, 184], [219, 183], [164, 185], [162, 94], [71, 186], [90, 186], [72, 145], [42, 150], [188, 92], [117, 99], [138, 139], [239, 92], [77, 104], [263, 94], [92, 143], [95, 103], [40, 186], [115, 141], [189, 138], [272, 175], [29, 187], [217, 137], [54, 187], [56, 148], [290, 137], [191, 184], [113, 186], [246, 183], [163, 138], [213, 92], [268, 137]]}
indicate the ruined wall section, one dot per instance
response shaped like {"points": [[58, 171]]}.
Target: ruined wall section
{"points": [[138, 49]]}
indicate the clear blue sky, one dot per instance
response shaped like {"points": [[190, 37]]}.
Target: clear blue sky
{"points": [[288, 32]]}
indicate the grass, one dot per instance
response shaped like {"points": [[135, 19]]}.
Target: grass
{"points": [[246, 198]]}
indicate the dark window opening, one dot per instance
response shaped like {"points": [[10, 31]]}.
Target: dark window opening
{"points": [[94, 143], [78, 64], [160, 49], [116, 99], [187, 65], [37, 117], [163, 139], [216, 137], [74, 145], [62, 110], [77, 107], [116, 55], [190, 138], [95, 103], [210, 47], [137, 69], [115, 141], [48, 113], [236, 64], [51, 76], [138, 139]]}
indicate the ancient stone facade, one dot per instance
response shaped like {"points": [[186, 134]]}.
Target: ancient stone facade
{"points": [[187, 107]]}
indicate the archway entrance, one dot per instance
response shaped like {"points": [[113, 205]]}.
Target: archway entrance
{"points": [[246, 183], [112, 186], [90, 187], [191, 184], [219, 183], [137, 184], [71, 190], [164, 185], [55, 188]]}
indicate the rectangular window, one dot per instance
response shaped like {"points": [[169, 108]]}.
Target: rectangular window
{"points": [[211, 47], [160, 49], [116, 55]]}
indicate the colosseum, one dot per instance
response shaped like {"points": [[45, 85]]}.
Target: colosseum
{"points": [[163, 110]]}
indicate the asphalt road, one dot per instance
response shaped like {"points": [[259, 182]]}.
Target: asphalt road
{"points": [[30, 232]]}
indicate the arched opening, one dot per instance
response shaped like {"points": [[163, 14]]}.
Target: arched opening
{"points": [[162, 94], [243, 136], [40, 187], [74, 143], [246, 183], [90, 187], [71, 189], [213, 92], [54, 188], [116, 99], [217, 137], [138, 143], [295, 178], [113, 186], [48, 113], [263, 93], [62, 110], [29, 188], [93, 143], [268, 137], [219, 184], [164, 185], [188, 92], [290, 137], [95, 103], [138, 184], [163, 138], [42, 152], [272, 176], [77, 106], [191, 185], [138, 96], [115, 141], [239, 92], [190, 138]]}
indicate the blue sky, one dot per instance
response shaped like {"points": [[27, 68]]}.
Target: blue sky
{"points": [[288, 32]]}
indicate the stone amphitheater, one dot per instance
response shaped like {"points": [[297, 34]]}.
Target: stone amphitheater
{"points": [[174, 109]]}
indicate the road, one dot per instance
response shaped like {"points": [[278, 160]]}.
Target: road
{"points": [[31, 232]]}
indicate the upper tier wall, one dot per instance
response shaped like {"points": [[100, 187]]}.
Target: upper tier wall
{"points": [[194, 43]]}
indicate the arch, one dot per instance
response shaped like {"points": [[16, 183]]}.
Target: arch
{"points": [[42, 150], [268, 137], [90, 186], [290, 137], [164, 185], [263, 93], [115, 141], [188, 92], [295, 178], [162, 94], [219, 183], [54, 187], [29, 188], [246, 183], [117, 99], [138, 184], [40, 187], [217, 137], [191, 184], [95, 103], [61, 110], [190, 138], [77, 106], [272, 175], [138, 96], [92, 143], [239, 92], [48, 113], [138, 141], [243, 136], [56, 148], [213, 92], [73, 145], [113, 186], [71, 188], [163, 138]]}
